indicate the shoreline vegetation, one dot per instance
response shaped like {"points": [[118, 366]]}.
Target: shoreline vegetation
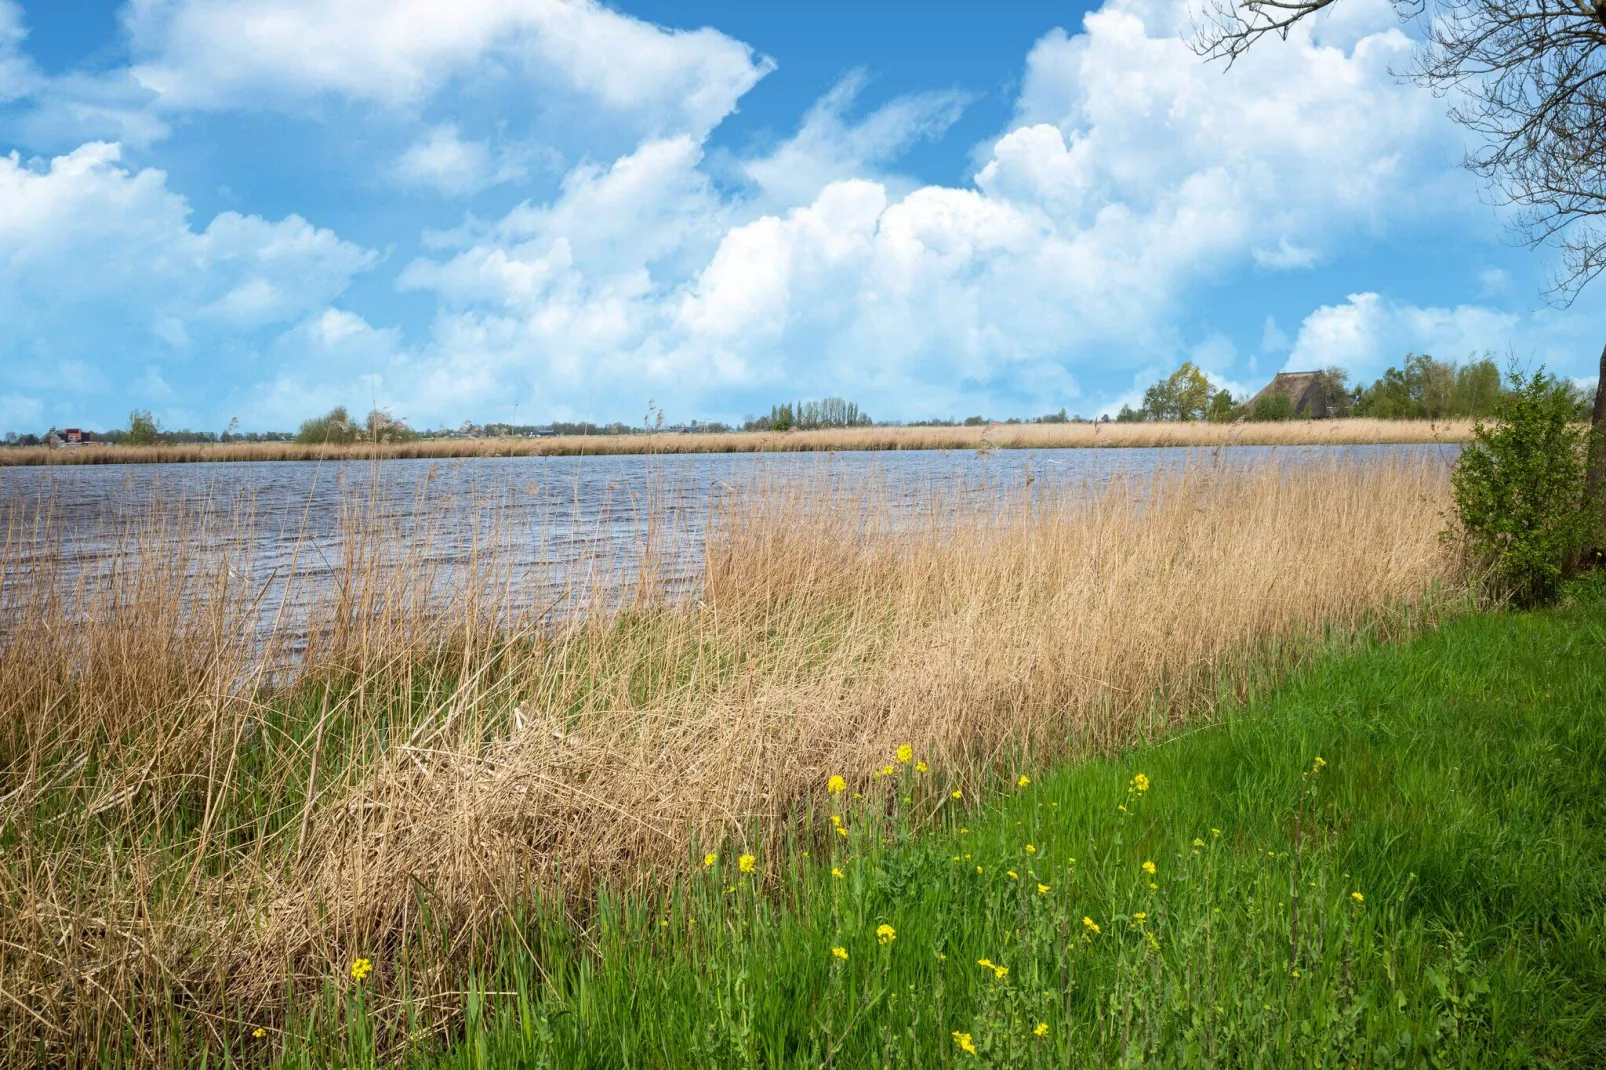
{"points": [[204, 840], [1353, 431]]}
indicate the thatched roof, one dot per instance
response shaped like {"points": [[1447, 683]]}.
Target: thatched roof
{"points": [[1301, 388]]}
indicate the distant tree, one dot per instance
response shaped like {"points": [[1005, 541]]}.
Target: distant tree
{"points": [[1183, 395], [1273, 406], [143, 429], [1129, 415], [335, 426], [1222, 409], [1054, 418], [1332, 383], [381, 426]]}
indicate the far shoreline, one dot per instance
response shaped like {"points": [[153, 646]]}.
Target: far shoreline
{"points": [[1335, 432]]}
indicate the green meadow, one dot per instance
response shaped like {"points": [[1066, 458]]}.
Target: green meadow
{"points": [[1396, 859]]}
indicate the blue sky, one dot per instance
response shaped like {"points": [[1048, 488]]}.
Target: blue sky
{"points": [[539, 209]]}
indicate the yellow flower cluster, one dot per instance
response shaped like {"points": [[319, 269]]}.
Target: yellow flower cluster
{"points": [[259, 1032], [1030, 849], [1091, 926], [1148, 867], [1358, 897], [999, 972], [885, 934], [747, 863], [1041, 1030], [361, 969], [709, 859], [906, 753], [1140, 783], [1042, 889], [1023, 781], [921, 767], [836, 872], [965, 1043], [836, 785], [840, 952]]}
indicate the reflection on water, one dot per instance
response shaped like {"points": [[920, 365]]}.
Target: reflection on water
{"points": [[554, 523]]}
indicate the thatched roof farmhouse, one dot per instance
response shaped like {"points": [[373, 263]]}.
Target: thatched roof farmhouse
{"points": [[1302, 389]]}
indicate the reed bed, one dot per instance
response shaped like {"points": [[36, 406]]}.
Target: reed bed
{"points": [[1356, 432], [198, 832]]}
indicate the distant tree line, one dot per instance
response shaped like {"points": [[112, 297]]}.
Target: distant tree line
{"points": [[1424, 389], [826, 414]]}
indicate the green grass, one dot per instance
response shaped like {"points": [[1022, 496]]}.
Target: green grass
{"points": [[1460, 799]]}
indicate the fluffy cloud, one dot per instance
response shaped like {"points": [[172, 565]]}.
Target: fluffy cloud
{"points": [[103, 274], [829, 146], [443, 161], [1133, 177], [220, 53]]}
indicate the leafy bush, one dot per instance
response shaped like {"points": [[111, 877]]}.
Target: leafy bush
{"points": [[1183, 395], [1276, 406], [1519, 489], [142, 428], [333, 426]]}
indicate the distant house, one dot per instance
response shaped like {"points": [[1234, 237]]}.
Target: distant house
{"points": [[69, 436], [1301, 388]]}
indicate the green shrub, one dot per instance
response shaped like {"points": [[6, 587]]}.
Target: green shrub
{"points": [[334, 426], [1275, 406], [1519, 489], [143, 429]]}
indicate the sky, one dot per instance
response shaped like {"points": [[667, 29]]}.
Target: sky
{"points": [[536, 210]]}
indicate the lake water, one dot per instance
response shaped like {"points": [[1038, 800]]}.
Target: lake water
{"points": [[549, 516]]}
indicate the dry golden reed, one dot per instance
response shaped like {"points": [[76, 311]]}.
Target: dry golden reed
{"points": [[1356, 432], [193, 819]]}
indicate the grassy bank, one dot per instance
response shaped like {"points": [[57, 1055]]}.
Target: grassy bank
{"points": [[996, 436], [197, 836], [1395, 860]]}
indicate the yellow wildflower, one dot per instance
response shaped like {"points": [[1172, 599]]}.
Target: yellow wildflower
{"points": [[1013, 875], [1023, 781], [836, 785], [840, 952], [1030, 849], [259, 1032], [1215, 832], [709, 859], [1140, 916], [841, 830], [1042, 889], [964, 831], [1091, 926], [1041, 1030], [1140, 782], [920, 767], [836, 871], [906, 753], [887, 770], [965, 1043], [1319, 763], [1000, 972], [1358, 897], [836, 819], [1296, 975], [978, 869], [885, 934], [1148, 867], [957, 794], [1197, 842], [361, 969], [747, 863]]}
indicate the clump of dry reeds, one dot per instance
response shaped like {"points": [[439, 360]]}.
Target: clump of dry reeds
{"points": [[198, 825], [1349, 432]]}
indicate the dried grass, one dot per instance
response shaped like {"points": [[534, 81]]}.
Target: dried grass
{"points": [[185, 829], [1354, 432]]}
